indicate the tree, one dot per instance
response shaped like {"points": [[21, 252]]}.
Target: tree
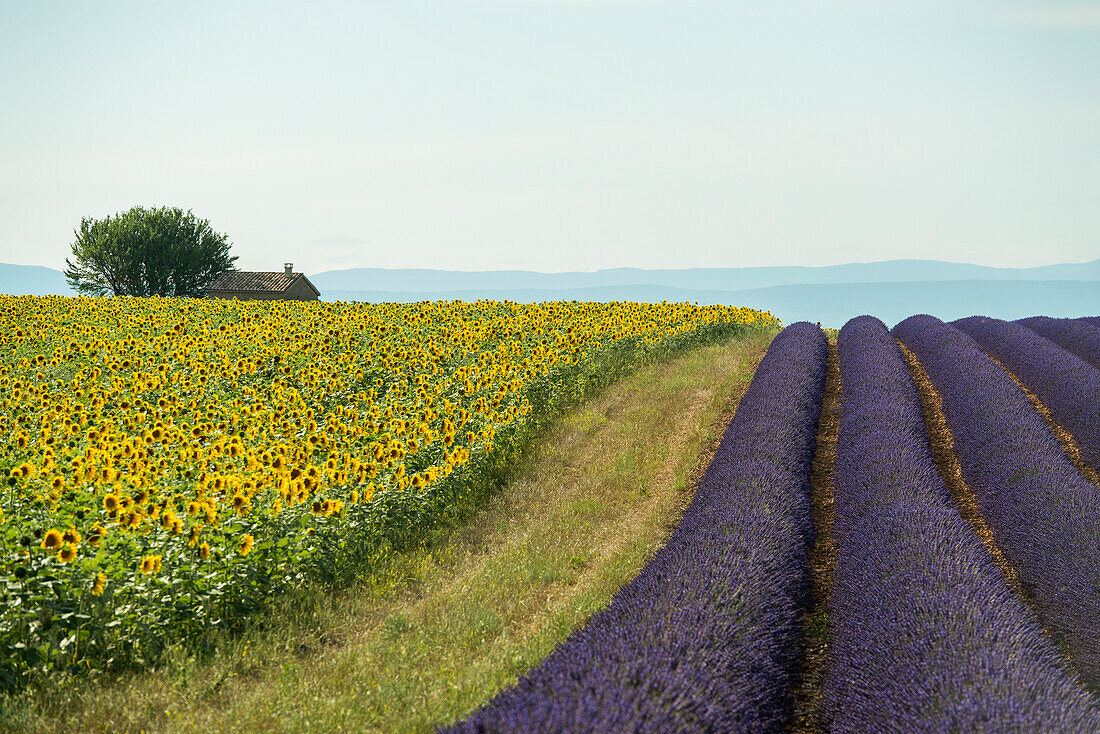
{"points": [[147, 252]]}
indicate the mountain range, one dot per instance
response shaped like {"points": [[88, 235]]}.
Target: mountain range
{"points": [[891, 290], [724, 279], [33, 280]]}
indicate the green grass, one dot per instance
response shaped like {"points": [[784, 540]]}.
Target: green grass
{"points": [[450, 625]]}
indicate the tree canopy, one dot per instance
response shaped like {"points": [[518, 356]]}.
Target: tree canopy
{"points": [[147, 252]]}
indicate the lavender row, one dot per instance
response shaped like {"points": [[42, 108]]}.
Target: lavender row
{"points": [[1094, 320], [1079, 337], [926, 633], [1044, 516], [707, 637], [1065, 383]]}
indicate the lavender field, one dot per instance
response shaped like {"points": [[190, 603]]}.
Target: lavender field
{"points": [[931, 563]]}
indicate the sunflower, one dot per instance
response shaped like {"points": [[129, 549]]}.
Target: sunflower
{"points": [[110, 503], [67, 553], [99, 583], [95, 535], [246, 545], [150, 564], [204, 550], [52, 539]]}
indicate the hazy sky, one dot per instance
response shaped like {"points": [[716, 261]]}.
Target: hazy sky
{"points": [[560, 134]]}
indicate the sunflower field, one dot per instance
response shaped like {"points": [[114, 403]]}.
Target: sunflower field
{"points": [[169, 464]]}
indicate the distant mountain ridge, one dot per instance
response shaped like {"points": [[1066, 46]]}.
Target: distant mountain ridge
{"points": [[891, 290], [33, 280], [726, 279]]}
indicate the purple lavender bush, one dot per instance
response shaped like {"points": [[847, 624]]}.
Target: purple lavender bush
{"points": [[1065, 383], [1094, 320], [1044, 515], [1073, 335], [709, 635], [926, 634]]}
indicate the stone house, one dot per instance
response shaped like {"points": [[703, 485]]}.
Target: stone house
{"points": [[247, 286]]}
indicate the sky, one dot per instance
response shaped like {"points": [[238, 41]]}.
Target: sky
{"points": [[560, 135]]}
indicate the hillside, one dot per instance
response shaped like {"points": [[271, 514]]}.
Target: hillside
{"points": [[32, 280], [892, 290], [830, 295], [723, 279]]}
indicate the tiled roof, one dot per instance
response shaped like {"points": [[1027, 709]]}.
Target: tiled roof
{"points": [[242, 280]]}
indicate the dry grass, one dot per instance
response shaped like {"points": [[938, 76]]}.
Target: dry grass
{"points": [[596, 499]]}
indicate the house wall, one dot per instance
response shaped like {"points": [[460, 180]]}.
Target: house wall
{"points": [[300, 291], [297, 292]]}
